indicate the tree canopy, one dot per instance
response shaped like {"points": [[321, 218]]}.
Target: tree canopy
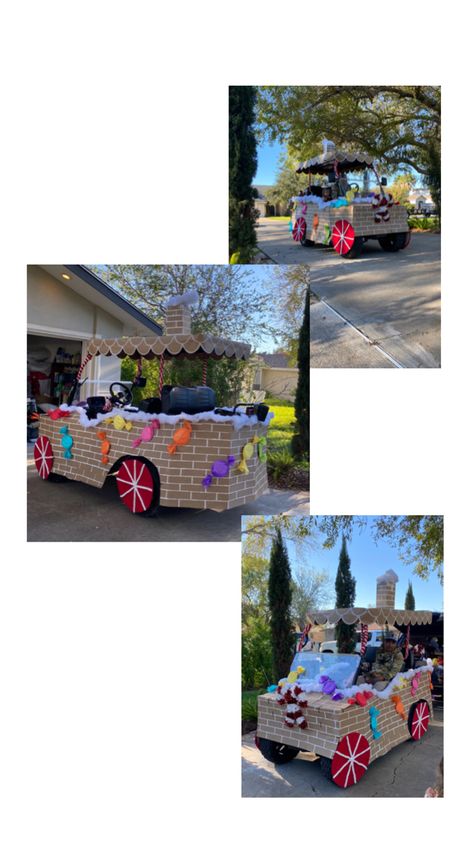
{"points": [[399, 125]]}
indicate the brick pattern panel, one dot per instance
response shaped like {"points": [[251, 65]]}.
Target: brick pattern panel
{"points": [[360, 216], [329, 721], [180, 473]]}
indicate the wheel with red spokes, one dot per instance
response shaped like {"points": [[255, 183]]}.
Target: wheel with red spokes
{"points": [[419, 719], [138, 486], [299, 230], [350, 760], [43, 455], [344, 239]]}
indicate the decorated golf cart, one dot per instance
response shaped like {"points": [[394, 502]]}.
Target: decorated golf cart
{"points": [[338, 214], [177, 449], [324, 707]]}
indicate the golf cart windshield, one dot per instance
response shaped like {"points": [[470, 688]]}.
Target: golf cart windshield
{"points": [[341, 668]]}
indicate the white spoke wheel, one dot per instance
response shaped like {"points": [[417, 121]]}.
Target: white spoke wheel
{"points": [[350, 760], [419, 719], [138, 485], [43, 455]]}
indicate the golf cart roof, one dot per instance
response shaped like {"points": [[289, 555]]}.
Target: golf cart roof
{"points": [[380, 615], [185, 345], [346, 162]]}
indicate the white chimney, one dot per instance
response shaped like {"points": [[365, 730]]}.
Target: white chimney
{"points": [[386, 587]]}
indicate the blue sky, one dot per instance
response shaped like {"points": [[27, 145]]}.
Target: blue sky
{"points": [[368, 561], [268, 156]]}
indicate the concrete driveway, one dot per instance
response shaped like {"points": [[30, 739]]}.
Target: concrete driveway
{"points": [[406, 771], [381, 310], [72, 511]]}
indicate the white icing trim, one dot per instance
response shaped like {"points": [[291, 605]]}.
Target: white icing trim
{"points": [[238, 421]]}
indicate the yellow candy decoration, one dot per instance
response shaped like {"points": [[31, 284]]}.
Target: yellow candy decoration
{"points": [[119, 423], [247, 453], [350, 195]]}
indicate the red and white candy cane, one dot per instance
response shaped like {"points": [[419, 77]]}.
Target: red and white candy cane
{"points": [[381, 205], [204, 372], [295, 699], [364, 637], [82, 366], [407, 641], [304, 637]]}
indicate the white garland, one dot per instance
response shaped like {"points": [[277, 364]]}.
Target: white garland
{"points": [[238, 421], [311, 685]]}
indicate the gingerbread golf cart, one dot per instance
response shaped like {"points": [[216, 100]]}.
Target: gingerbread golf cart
{"points": [[177, 449], [320, 708], [338, 215]]}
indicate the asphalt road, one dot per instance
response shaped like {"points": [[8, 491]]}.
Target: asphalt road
{"points": [[380, 310], [406, 771], [72, 511]]}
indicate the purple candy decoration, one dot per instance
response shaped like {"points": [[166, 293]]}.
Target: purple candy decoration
{"points": [[206, 481], [337, 697], [220, 469]]}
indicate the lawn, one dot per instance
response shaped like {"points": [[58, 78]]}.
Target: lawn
{"points": [[280, 430], [249, 704], [283, 469]]}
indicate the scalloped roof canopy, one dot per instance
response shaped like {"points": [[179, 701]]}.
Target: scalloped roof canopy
{"points": [[169, 346], [381, 615], [346, 161]]}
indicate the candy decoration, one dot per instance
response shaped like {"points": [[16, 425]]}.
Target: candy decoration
{"points": [[350, 196], [364, 637], [374, 713], [315, 221], [399, 707], [66, 442], [293, 675], [43, 454], [54, 414], [147, 433], [247, 453], [327, 235], [381, 205], [407, 641], [135, 485], [220, 468], [350, 760], [418, 719], [414, 685], [119, 423], [299, 230], [295, 699], [360, 698], [82, 366], [180, 437], [204, 372], [343, 236], [271, 688], [105, 446], [262, 449], [290, 226], [304, 207]]}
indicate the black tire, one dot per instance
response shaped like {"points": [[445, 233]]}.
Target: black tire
{"points": [[355, 250], [277, 753], [306, 243], [393, 242], [57, 478], [325, 766]]}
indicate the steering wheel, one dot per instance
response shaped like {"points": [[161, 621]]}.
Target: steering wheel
{"points": [[354, 187], [120, 398]]}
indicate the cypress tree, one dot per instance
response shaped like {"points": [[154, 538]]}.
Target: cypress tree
{"points": [[409, 598], [279, 602], [242, 169], [300, 440], [345, 596]]}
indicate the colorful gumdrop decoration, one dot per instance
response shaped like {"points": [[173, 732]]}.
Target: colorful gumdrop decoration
{"points": [[147, 433], [104, 447], [374, 714]]}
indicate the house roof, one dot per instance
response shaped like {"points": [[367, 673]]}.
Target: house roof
{"points": [[90, 286], [278, 360]]}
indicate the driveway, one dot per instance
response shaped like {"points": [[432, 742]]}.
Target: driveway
{"points": [[406, 771], [72, 511], [380, 310]]}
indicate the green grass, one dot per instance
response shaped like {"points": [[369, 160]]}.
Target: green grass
{"points": [[250, 704], [279, 218], [280, 433]]}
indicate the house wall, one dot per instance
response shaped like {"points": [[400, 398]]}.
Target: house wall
{"points": [[60, 313], [279, 382]]}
